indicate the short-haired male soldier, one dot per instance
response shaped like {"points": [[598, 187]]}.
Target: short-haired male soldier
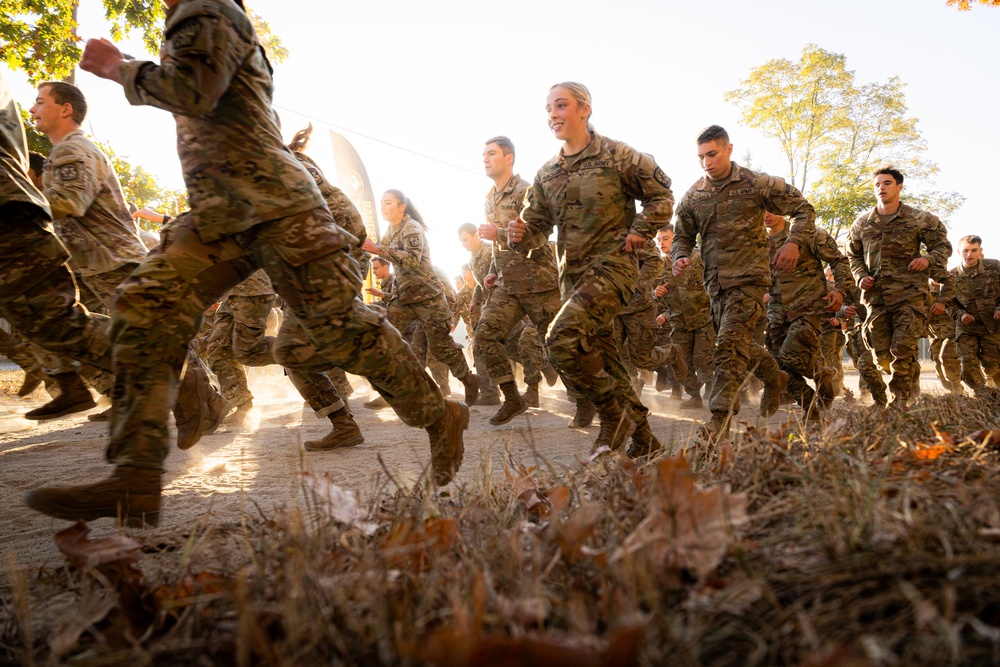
{"points": [[726, 209], [521, 283], [893, 248], [253, 205], [975, 305]]}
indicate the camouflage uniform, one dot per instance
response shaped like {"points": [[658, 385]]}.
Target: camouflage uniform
{"points": [[252, 206], [976, 292], [635, 326], [419, 293], [944, 349], [689, 314], [729, 217], [591, 197], [38, 294], [527, 284], [796, 313], [897, 303]]}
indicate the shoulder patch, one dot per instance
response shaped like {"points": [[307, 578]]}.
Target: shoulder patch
{"points": [[413, 241], [661, 177], [186, 33], [68, 172]]}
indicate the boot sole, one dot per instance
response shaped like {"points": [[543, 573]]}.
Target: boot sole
{"points": [[79, 407], [91, 514]]}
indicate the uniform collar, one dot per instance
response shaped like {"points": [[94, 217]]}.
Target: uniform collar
{"points": [[595, 147], [973, 271], [735, 174], [508, 188], [902, 213]]}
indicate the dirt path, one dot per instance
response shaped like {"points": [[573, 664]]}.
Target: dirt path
{"points": [[229, 475]]}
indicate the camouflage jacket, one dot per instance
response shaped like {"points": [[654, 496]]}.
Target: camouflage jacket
{"points": [[258, 284], [405, 245], [388, 287], [884, 250], [976, 292], [517, 273], [15, 186], [91, 216], [650, 268], [729, 218], [447, 289], [686, 302], [939, 326], [802, 291], [591, 198], [480, 263], [344, 212], [461, 312], [213, 77]]}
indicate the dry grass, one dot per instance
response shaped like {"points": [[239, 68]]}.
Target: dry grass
{"points": [[870, 542]]}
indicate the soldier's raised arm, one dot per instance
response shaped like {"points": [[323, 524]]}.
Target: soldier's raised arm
{"points": [[645, 181], [856, 254], [825, 248], [412, 253], [537, 220], [935, 239], [685, 232], [785, 199]]}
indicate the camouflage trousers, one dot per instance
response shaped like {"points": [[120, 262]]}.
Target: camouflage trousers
{"points": [[417, 338], [158, 310], [38, 294], [582, 346], [502, 314], [798, 348], [737, 313], [15, 349], [979, 353], [697, 348], [435, 319], [834, 341], [947, 363], [891, 336], [636, 333]]}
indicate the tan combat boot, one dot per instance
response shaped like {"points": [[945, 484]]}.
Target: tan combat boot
{"points": [[345, 433], [238, 416], [770, 400], [531, 395], [550, 374], [73, 397], [693, 403], [447, 446], [585, 411], [471, 382], [616, 425], [377, 403], [199, 408], [513, 404], [644, 442], [133, 494]]}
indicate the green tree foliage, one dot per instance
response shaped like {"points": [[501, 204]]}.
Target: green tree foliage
{"points": [[39, 37], [834, 131], [142, 188]]}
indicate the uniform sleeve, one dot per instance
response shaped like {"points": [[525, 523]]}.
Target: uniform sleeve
{"points": [[649, 269], [685, 232], [73, 184], [412, 253], [949, 294], [856, 253], [645, 181], [935, 238], [825, 248], [537, 218], [201, 55], [785, 199]]}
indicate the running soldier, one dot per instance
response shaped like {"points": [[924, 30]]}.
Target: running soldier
{"points": [[268, 214], [588, 190], [944, 347], [884, 248], [726, 209], [519, 284], [480, 260], [975, 307]]}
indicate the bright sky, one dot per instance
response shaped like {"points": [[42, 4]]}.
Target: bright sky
{"points": [[438, 77]]}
